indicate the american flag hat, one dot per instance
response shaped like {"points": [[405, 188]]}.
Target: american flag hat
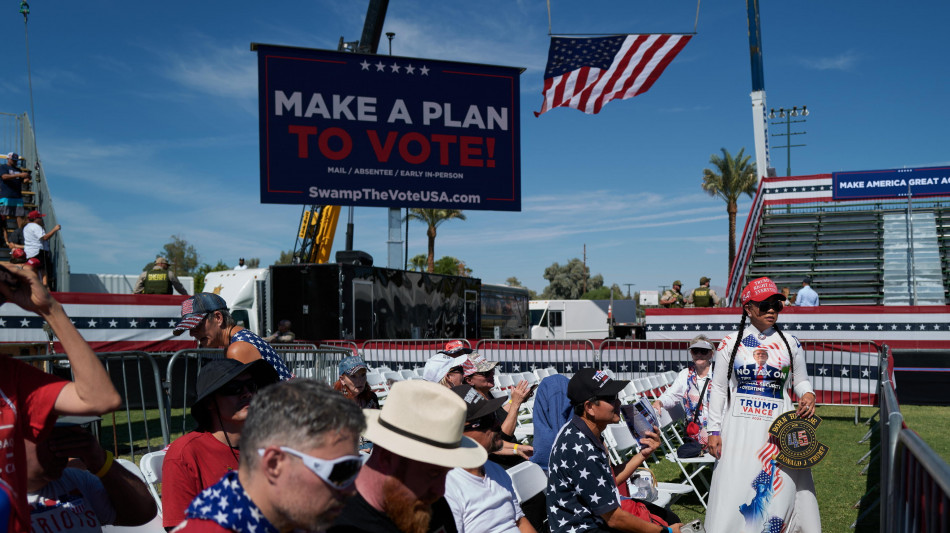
{"points": [[194, 309]]}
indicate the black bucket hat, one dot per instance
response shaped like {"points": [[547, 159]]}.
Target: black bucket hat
{"points": [[218, 373]]}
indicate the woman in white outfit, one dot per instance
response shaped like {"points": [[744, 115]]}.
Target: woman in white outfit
{"points": [[750, 492], [691, 383]]}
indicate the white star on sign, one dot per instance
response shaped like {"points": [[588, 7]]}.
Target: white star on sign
{"points": [[844, 371], [643, 367], [424, 70], [395, 67], [3, 322], [822, 371], [133, 323], [380, 67], [866, 372], [410, 69], [92, 323], [113, 323], [24, 323], [171, 322], [365, 65], [152, 323]]}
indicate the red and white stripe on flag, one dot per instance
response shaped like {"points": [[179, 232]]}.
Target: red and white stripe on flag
{"points": [[586, 73]]}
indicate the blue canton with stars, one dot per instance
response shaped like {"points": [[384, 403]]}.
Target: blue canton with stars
{"points": [[580, 483], [569, 54], [94, 322], [267, 353], [227, 504]]}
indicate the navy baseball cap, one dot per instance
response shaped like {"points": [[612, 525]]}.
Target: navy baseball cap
{"points": [[194, 310], [588, 383]]}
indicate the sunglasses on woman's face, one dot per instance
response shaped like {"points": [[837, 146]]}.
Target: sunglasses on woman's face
{"points": [[237, 388], [700, 351], [770, 304], [339, 473]]}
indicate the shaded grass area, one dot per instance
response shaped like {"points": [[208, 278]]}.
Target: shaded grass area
{"points": [[131, 435], [838, 480]]}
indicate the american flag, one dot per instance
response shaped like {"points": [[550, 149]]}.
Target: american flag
{"points": [[586, 73], [765, 456]]}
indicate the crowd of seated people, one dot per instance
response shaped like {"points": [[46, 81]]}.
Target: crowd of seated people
{"points": [[272, 454]]}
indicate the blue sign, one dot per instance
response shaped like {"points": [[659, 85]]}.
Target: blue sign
{"points": [[933, 181], [340, 128]]}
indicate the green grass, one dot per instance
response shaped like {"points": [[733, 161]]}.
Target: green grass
{"points": [[839, 482], [145, 437]]}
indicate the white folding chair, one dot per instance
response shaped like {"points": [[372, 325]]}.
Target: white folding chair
{"points": [[528, 479], [530, 377], [610, 373], [504, 382], [151, 468], [694, 468], [392, 377], [620, 443], [541, 373], [377, 382], [407, 373]]}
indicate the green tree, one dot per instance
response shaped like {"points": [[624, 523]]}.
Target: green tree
{"points": [[253, 262], [433, 218], [203, 271], [513, 282], [418, 263], [182, 256], [450, 266], [732, 177], [286, 258], [603, 293], [566, 282]]}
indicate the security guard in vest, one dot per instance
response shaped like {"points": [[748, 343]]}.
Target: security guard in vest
{"points": [[158, 280], [703, 296]]}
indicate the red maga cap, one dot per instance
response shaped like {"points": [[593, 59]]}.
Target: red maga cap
{"points": [[758, 290]]}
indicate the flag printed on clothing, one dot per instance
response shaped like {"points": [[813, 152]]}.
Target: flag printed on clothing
{"points": [[587, 72]]}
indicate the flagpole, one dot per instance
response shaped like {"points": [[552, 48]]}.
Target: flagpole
{"points": [[549, 17]]}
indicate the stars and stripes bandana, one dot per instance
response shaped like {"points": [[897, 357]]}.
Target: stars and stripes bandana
{"points": [[228, 505]]}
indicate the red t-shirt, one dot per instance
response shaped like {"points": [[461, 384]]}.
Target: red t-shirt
{"points": [[192, 463], [27, 398], [197, 525]]}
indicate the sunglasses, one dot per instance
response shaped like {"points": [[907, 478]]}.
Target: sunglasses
{"points": [[339, 473], [487, 374], [770, 304], [700, 351], [237, 388]]}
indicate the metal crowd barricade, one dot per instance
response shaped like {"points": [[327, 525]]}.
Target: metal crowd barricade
{"points": [[308, 361], [515, 355], [181, 377], [634, 359], [403, 354], [845, 372], [915, 480], [349, 345], [136, 377]]}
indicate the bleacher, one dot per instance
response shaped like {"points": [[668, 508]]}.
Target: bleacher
{"points": [[16, 135], [856, 253]]}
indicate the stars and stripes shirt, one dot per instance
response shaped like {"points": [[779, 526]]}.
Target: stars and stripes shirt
{"points": [[581, 484], [225, 506], [267, 352]]}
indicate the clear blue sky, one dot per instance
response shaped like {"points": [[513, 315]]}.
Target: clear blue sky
{"points": [[146, 116]]}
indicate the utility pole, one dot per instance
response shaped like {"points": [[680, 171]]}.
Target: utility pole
{"points": [[628, 285], [585, 268]]}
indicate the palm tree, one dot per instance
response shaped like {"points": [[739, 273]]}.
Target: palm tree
{"points": [[432, 218], [736, 176]]}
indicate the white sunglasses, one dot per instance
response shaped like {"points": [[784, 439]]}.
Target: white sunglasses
{"points": [[339, 473]]}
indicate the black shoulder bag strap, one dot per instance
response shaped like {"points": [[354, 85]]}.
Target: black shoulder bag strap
{"points": [[699, 404]]}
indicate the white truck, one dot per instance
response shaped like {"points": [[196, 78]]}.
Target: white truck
{"points": [[581, 319], [244, 291]]}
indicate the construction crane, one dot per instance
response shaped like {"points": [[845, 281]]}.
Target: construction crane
{"points": [[315, 237], [318, 223]]}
